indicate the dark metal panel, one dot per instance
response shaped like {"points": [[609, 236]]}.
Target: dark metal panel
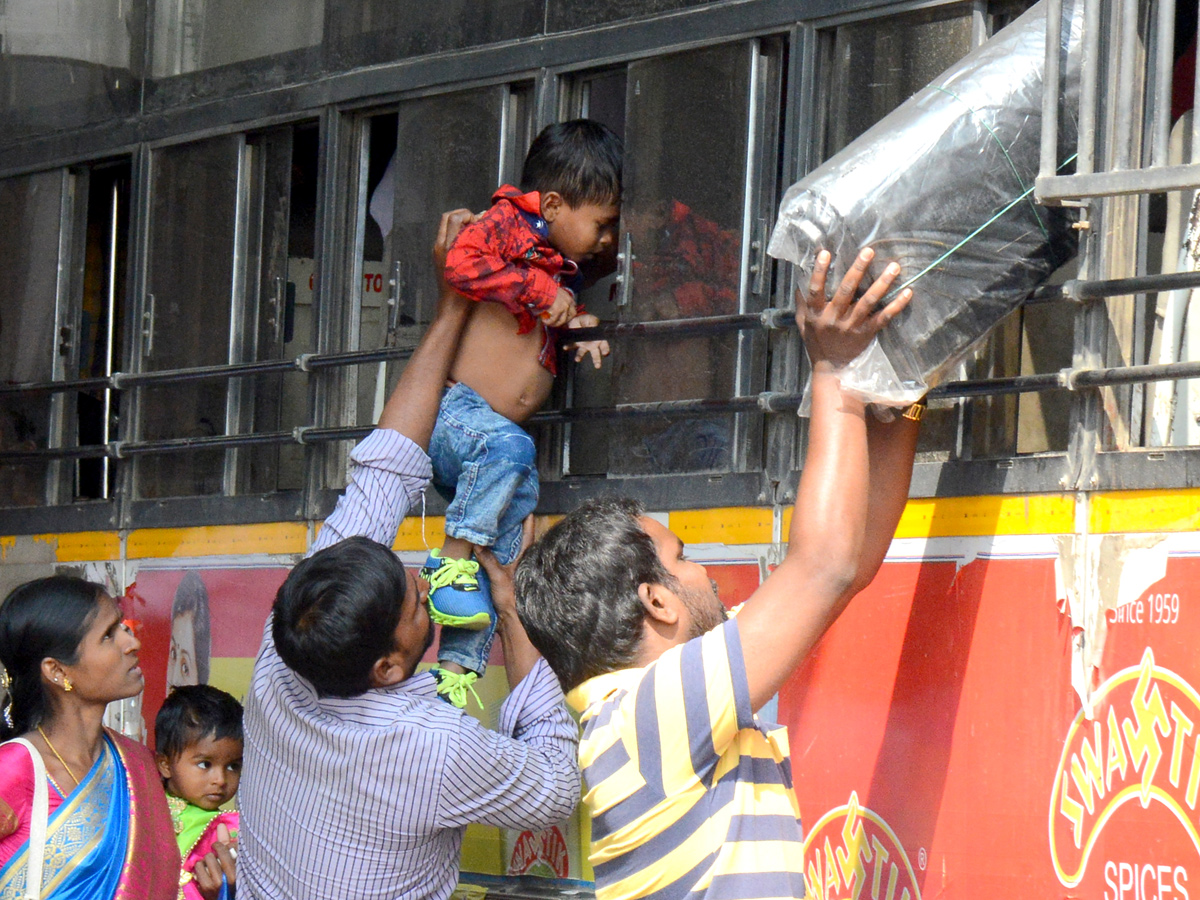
{"points": [[95, 516], [63, 70], [1174, 467], [185, 512], [299, 83], [47, 94], [1041, 474], [251, 77], [69, 148], [322, 502], [567, 15], [401, 30], [660, 492]]}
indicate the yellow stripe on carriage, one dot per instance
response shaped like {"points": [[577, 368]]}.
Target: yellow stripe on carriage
{"points": [[217, 540]]}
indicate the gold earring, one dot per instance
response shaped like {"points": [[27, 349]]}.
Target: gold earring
{"points": [[67, 686]]}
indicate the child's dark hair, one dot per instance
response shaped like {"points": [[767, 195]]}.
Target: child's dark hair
{"points": [[580, 159], [193, 712]]}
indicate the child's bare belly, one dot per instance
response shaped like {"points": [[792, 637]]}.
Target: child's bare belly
{"points": [[501, 365]]}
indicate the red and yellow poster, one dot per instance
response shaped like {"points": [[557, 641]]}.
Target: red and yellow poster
{"points": [[199, 626], [940, 748]]}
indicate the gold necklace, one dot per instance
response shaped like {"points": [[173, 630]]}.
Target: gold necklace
{"points": [[57, 754]]}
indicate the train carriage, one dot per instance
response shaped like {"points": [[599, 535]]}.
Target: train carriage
{"points": [[215, 221]]}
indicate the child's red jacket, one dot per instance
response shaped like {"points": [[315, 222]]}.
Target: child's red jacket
{"points": [[505, 258]]}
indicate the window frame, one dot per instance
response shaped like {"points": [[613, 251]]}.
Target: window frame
{"points": [[547, 60]]}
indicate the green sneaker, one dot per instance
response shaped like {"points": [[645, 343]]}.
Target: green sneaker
{"points": [[459, 593], [454, 687]]}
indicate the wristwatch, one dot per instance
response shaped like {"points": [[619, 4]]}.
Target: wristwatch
{"points": [[914, 412]]}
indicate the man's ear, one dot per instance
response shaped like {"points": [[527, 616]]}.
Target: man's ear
{"points": [[388, 670], [163, 764], [551, 205], [659, 603]]}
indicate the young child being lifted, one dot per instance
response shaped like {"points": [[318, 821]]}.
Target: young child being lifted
{"points": [[522, 259]]}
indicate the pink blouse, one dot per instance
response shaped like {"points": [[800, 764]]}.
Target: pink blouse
{"points": [[16, 799]]}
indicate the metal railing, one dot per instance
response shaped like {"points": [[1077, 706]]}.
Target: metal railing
{"points": [[767, 402], [1126, 175]]}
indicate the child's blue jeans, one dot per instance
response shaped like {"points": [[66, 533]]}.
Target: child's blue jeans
{"points": [[486, 466]]}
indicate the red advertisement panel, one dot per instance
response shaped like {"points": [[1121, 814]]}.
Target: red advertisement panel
{"points": [[940, 750], [199, 626]]}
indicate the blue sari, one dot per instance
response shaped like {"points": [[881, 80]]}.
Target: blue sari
{"points": [[87, 838]]}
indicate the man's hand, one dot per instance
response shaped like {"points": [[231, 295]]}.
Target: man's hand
{"points": [[826, 563], [519, 654], [504, 596], [562, 311], [596, 349], [221, 861], [448, 228], [837, 330]]}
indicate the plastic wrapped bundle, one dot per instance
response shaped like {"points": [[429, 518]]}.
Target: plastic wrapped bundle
{"points": [[944, 186]]}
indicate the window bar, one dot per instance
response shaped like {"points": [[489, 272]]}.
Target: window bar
{"points": [[771, 319], [1164, 69], [241, 307], [755, 109], [1138, 284], [1127, 83], [1089, 74], [110, 330], [125, 380], [1050, 90], [66, 326]]}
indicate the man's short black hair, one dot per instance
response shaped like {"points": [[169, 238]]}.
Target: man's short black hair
{"points": [[580, 159], [336, 614], [577, 589], [194, 712]]}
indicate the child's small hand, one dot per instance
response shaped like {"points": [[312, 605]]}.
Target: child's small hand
{"points": [[222, 860], [595, 349], [563, 310]]}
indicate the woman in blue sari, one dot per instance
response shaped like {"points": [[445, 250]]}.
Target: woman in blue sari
{"points": [[66, 654]]}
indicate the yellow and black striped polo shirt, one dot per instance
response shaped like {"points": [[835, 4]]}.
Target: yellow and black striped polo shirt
{"points": [[690, 794]]}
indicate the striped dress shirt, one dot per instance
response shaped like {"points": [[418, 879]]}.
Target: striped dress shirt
{"points": [[368, 797], [690, 794]]}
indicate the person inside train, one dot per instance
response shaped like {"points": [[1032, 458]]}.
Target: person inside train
{"points": [[690, 793]]}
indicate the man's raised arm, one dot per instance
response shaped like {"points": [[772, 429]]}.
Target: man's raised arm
{"points": [[852, 489], [388, 474], [413, 405]]}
